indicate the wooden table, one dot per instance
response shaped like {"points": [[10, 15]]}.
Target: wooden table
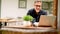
{"points": [[7, 20], [11, 32], [22, 31]]}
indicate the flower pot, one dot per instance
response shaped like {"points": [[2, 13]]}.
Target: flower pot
{"points": [[26, 23]]}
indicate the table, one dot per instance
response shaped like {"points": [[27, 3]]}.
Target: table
{"points": [[23, 31], [7, 20], [26, 31]]}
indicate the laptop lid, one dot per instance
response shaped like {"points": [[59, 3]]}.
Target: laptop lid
{"points": [[46, 21]]}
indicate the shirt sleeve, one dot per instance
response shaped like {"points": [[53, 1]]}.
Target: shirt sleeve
{"points": [[45, 13], [29, 13]]}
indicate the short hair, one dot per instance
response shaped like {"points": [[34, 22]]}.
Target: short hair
{"points": [[37, 1]]}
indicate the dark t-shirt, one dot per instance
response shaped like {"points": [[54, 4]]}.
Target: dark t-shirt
{"points": [[36, 17]]}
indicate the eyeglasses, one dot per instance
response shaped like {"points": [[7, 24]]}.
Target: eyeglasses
{"points": [[37, 5]]}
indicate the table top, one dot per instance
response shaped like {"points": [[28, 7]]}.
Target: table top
{"points": [[30, 29], [9, 20]]}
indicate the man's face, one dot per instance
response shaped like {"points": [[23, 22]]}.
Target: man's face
{"points": [[37, 6]]}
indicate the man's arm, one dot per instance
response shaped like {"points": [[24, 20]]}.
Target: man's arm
{"points": [[28, 13], [44, 13]]}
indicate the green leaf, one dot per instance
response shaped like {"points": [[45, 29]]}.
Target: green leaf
{"points": [[28, 18]]}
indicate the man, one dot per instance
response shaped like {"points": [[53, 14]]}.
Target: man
{"points": [[37, 11]]}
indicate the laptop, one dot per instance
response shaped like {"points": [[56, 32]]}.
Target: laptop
{"points": [[46, 21]]}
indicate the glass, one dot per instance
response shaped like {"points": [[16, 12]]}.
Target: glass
{"points": [[37, 5]]}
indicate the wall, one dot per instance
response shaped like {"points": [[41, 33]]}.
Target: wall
{"points": [[9, 8]]}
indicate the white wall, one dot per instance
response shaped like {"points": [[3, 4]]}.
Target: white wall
{"points": [[9, 8], [58, 14]]}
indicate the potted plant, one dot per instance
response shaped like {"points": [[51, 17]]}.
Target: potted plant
{"points": [[27, 20]]}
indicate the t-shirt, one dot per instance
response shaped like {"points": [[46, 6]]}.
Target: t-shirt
{"points": [[36, 16]]}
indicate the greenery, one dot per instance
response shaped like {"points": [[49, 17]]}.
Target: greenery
{"points": [[28, 18]]}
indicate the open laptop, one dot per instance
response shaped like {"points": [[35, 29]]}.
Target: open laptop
{"points": [[46, 21]]}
